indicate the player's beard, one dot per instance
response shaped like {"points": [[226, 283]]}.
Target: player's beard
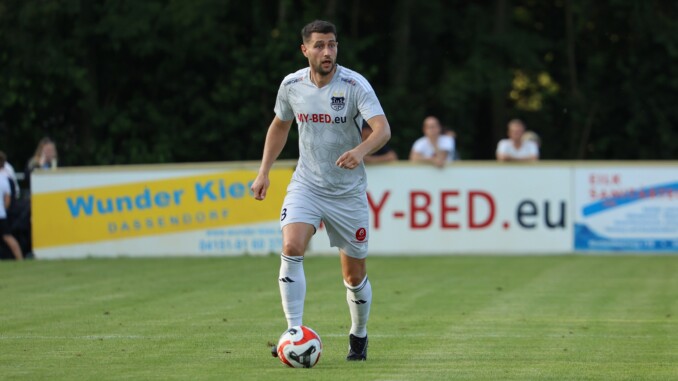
{"points": [[319, 69]]}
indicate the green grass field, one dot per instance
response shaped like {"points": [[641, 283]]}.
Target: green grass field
{"points": [[433, 318]]}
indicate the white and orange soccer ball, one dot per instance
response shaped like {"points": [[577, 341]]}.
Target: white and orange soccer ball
{"points": [[299, 347]]}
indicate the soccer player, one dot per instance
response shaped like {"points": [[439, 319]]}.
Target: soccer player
{"points": [[329, 103]]}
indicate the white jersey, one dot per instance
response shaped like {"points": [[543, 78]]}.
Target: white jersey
{"points": [[527, 149], [330, 123], [424, 147]]}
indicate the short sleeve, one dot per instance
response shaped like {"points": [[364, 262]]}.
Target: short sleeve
{"points": [[502, 148], [533, 148], [283, 109], [4, 186], [368, 104], [446, 143], [419, 146]]}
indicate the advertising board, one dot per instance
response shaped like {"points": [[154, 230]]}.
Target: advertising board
{"points": [[467, 209], [154, 211], [626, 208], [464, 208]]}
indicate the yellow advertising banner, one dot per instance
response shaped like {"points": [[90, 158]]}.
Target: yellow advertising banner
{"points": [[154, 207]]}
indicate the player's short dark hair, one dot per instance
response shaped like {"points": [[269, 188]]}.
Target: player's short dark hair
{"points": [[318, 26], [3, 159]]}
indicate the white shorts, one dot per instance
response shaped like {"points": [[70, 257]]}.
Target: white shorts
{"points": [[345, 218]]}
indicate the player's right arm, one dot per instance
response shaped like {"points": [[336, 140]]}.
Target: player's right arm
{"points": [[276, 137]]}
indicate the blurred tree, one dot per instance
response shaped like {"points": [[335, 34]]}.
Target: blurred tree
{"points": [[125, 81]]}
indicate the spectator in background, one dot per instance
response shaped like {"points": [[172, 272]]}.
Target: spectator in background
{"points": [[6, 195], [532, 136], [434, 147], [8, 171], [384, 154], [45, 157], [453, 134], [515, 148]]}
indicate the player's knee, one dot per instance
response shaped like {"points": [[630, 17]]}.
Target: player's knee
{"points": [[293, 249], [354, 279]]}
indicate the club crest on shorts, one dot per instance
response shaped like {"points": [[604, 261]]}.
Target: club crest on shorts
{"points": [[338, 101], [361, 234]]}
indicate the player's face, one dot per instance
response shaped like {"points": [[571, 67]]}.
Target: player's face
{"points": [[321, 51]]}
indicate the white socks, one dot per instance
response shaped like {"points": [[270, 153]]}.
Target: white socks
{"points": [[359, 299], [292, 283], [292, 288]]}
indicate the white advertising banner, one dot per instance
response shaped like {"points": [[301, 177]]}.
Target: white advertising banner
{"points": [[464, 208], [493, 209], [626, 208]]}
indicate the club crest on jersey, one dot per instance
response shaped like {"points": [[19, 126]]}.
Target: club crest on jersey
{"points": [[338, 101]]}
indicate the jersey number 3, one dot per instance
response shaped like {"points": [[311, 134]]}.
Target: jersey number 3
{"points": [[283, 215]]}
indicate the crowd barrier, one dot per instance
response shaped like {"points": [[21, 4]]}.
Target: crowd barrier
{"points": [[465, 208]]}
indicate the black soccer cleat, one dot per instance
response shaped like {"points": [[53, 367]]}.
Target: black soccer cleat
{"points": [[274, 351], [357, 348]]}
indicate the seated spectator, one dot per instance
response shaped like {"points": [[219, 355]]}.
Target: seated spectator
{"points": [[434, 147], [384, 154], [6, 200], [453, 134], [45, 157], [515, 148], [532, 136]]}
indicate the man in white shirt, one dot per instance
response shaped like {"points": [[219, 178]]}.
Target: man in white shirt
{"points": [[515, 148], [434, 147], [329, 103]]}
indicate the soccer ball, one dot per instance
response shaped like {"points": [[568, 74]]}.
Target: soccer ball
{"points": [[299, 347]]}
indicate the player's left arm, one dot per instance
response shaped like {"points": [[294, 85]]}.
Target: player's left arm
{"points": [[381, 133]]}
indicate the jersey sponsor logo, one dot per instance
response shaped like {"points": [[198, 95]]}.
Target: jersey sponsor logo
{"points": [[350, 81], [361, 234], [293, 80], [320, 118], [338, 101]]}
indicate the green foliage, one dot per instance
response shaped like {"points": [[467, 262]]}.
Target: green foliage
{"points": [[127, 81]]}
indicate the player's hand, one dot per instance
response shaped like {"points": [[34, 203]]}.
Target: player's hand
{"points": [[260, 186], [349, 160]]}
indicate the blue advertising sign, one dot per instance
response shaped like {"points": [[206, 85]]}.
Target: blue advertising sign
{"points": [[626, 209]]}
